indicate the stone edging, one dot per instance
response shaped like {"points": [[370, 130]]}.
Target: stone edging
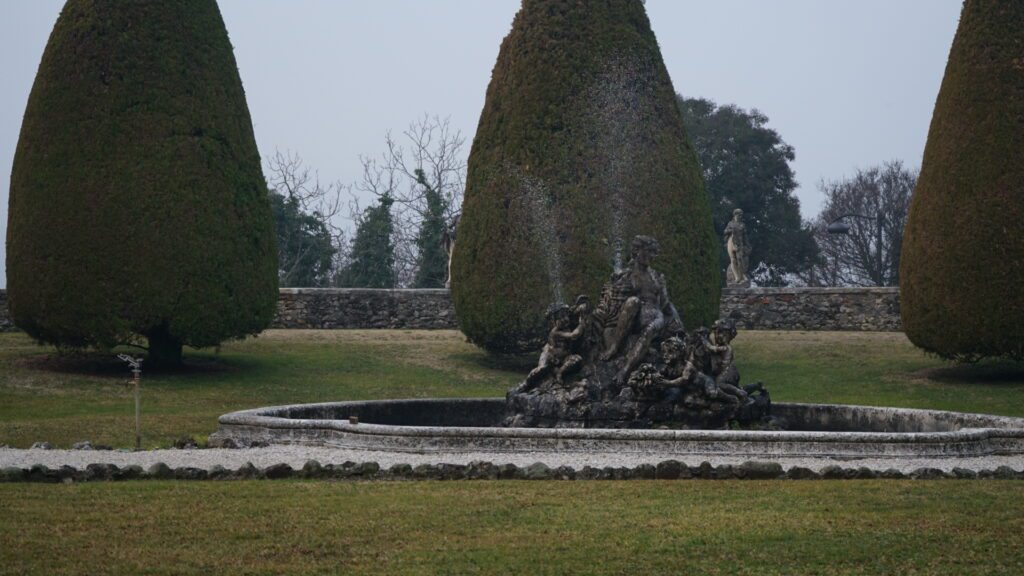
{"points": [[371, 471], [457, 425]]}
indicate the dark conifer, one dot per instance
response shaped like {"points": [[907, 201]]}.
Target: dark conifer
{"points": [[962, 268], [580, 146], [138, 205]]}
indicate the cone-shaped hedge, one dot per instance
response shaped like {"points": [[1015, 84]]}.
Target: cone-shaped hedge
{"points": [[962, 268], [580, 146], [138, 205]]}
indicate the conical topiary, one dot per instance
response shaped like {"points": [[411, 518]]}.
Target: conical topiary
{"points": [[138, 205], [962, 268], [580, 146]]}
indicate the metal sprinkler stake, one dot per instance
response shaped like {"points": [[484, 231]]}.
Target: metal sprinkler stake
{"points": [[136, 364]]}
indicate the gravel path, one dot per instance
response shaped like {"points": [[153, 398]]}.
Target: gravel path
{"points": [[296, 456]]}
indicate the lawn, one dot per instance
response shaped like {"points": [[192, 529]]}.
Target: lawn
{"points": [[65, 399], [509, 527], [653, 527]]}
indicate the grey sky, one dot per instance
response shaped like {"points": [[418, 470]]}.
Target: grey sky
{"points": [[847, 83]]}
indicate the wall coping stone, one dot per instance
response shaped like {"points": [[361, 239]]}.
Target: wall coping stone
{"points": [[811, 290], [407, 291]]}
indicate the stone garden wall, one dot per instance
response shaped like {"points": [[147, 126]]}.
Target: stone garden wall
{"points": [[364, 308], [867, 309], [5, 317], [871, 309]]}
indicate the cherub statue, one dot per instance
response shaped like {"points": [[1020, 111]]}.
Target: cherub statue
{"points": [[699, 360], [557, 355], [643, 307], [719, 349]]}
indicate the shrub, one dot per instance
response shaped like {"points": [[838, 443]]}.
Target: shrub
{"points": [[580, 146], [138, 205], [962, 270]]}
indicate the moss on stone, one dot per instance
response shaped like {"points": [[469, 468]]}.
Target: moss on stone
{"points": [[580, 126], [962, 268], [138, 205]]}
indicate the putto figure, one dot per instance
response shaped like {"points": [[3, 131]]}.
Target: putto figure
{"points": [[557, 358], [738, 248], [719, 347]]}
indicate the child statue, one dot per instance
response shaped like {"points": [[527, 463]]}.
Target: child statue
{"points": [[557, 355], [719, 349]]}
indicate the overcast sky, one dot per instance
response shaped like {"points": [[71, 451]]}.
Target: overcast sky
{"points": [[848, 83]]}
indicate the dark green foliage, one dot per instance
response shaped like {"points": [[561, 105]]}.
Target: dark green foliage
{"points": [[432, 262], [746, 165], [138, 205], [580, 146], [304, 249], [962, 271], [372, 262]]}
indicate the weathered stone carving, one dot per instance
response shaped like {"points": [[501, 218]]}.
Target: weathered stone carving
{"points": [[629, 363], [557, 358], [738, 248], [636, 297], [448, 243]]}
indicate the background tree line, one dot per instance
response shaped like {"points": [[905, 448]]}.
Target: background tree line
{"points": [[746, 165], [415, 188]]}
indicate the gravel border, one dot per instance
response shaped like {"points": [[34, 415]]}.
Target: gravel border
{"points": [[274, 462]]}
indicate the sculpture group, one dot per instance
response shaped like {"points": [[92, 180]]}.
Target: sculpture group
{"points": [[629, 362]]}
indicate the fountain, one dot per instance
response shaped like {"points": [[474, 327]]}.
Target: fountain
{"points": [[629, 363], [624, 376]]}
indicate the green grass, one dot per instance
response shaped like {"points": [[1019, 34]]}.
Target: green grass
{"points": [[653, 527], [64, 399], [46, 396]]}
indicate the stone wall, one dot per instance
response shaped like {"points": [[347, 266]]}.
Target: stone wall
{"points": [[867, 309], [870, 309], [5, 317], [364, 308]]}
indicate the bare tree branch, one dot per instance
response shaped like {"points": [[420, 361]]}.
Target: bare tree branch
{"points": [[429, 145], [856, 258]]}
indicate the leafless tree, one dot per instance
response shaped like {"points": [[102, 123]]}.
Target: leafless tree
{"points": [[289, 176], [428, 154], [874, 204]]}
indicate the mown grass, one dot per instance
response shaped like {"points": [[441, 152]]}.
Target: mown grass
{"points": [[64, 399], [638, 527]]}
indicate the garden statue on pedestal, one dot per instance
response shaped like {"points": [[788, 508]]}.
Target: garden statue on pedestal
{"points": [[739, 249], [448, 243], [629, 363]]}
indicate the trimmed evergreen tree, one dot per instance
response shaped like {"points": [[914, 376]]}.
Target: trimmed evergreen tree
{"points": [[432, 260], [580, 146], [962, 268], [138, 205], [372, 262]]}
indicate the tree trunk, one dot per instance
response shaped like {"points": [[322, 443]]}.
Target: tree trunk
{"points": [[164, 350]]}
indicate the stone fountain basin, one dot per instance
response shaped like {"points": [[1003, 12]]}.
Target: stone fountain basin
{"points": [[436, 425]]}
